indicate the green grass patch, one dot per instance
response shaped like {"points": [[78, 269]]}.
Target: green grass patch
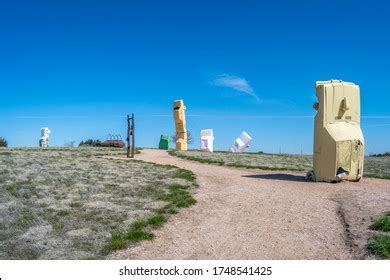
{"points": [[56, 222], [76, 204], [178, 196], [21, 189], [26, 218], [58, 225], [156, 220], [382, 223], [201, 160], [138, 235], [186, 175], [139, 225], [118, 241], [12, 190], [4, 172], [63, 213], [169, 209], [379, 245]]}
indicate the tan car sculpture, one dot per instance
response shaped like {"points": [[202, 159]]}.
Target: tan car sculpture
{"points": [[338, 138], [180, 123]]}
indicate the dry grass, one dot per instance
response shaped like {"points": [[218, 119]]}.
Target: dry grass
{"points": [[250, 160], [73, 204], [376, 167]]}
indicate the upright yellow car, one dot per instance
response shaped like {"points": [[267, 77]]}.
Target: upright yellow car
{"points": [[338, 138]]}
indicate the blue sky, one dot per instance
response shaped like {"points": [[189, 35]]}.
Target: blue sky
{"points": [[80, 66]]}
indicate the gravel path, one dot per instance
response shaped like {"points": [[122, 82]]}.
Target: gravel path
{"points": [[255, 214]]}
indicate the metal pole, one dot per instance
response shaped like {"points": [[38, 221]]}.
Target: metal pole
{"points": [[128, 136], [132, 135]]}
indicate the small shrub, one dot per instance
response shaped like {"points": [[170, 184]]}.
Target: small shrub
{"points": [[3, 142], [387, 154], [90, 143]]}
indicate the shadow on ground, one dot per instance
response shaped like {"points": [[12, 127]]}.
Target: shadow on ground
{"points": [[278, 176]]}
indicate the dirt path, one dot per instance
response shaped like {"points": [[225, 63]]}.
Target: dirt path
{"points": [[254, 214]]}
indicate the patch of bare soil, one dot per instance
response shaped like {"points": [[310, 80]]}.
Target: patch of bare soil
{"points": [[359, 205], [255, 214]]}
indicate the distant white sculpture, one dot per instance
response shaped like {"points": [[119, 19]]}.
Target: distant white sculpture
{"points": [[207, 140], [44, 141], [241, 143]]}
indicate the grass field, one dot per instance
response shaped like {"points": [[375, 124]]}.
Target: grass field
{"points": [[377, 167], [74, 204]]}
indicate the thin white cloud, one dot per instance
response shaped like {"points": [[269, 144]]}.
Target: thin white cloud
{"points": [[236, 83]]}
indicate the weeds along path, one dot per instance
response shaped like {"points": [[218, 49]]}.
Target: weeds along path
{"points": [[255, 214]]}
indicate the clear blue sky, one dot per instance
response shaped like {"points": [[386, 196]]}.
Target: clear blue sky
{"points": [[80, 66]]}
